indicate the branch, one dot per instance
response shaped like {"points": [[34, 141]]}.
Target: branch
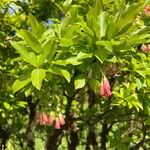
{"points": [[32, 115], [105, 131], [5, 136], [141, 142]]}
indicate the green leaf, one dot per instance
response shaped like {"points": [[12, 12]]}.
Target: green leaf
{"points": [[31, 40], [60, 71], [22, 104], [111, 29], [98, 7], [66, 5], [29, 57], [79, 82], [28, 89], [82, 55], [48, 50], [94, 85], [129, 14], [117, 94], [103, 23], [73, 61], [60, 62], [107, 44], [33, 22], [66, 42], [101, 54], [87, 29], [41, 29], [37, 77], [6, 105], [21, 82], [69, 19]]}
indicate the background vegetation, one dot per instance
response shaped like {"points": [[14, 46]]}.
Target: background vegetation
{"points": [[53, 56]]}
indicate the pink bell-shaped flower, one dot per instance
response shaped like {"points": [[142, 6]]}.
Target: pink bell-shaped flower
{"points": [[61, 119], [50, 119], [147, 10], [105, 90], [57, 123], [43, 119]]}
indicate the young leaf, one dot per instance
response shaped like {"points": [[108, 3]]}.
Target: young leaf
{"points": [[37, 77]]}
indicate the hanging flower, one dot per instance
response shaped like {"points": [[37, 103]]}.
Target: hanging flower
{"points": [[57, 123], [105, 90], [50, 119], [61, 119], [43, 119], [147, 10], [145, 48]]}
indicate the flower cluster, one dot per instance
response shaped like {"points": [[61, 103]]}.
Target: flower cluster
{"points": [[145, 48], [44, 119], [147, 10], [105, 90]]}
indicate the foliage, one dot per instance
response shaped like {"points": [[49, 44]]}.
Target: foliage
{"points": [[53, 57]]}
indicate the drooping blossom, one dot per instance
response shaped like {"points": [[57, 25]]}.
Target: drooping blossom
{"points": [[57, 123], [145, 48], [50, 119], [147, 10], [61, 119], [43, 119], [105, 89]]}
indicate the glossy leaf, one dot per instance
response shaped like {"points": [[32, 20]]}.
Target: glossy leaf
{"points": [[61, 72], [79, 82], [48, 50], [29, 57], [82, 55], [31, 40], [103, 24], [37, 76], [129, 14], [94, 85], [33, 22], [21, 82]]}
